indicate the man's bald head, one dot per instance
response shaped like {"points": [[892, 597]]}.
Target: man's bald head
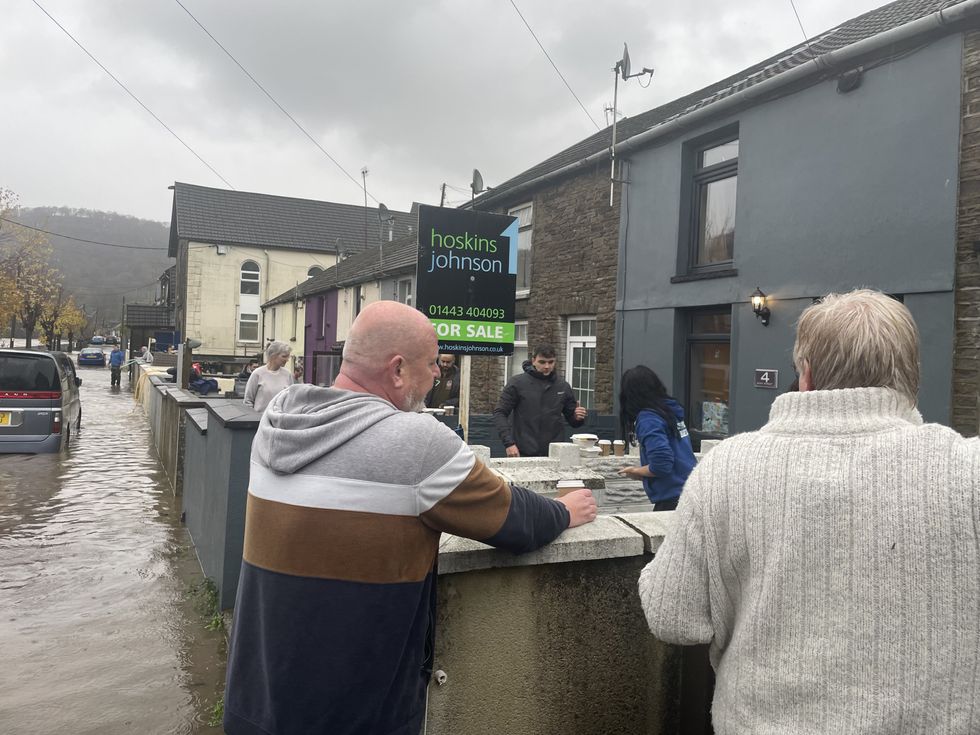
{"points": [[390, 351], [384, 329]]}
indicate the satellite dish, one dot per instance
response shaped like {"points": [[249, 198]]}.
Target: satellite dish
{"points": [[193, 343], [384, 214], [624, 63], [477, 185]]}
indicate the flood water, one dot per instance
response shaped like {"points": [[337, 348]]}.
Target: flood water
{"points": [[103, 614]]}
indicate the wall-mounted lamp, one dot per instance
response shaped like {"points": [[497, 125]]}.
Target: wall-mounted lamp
{"points": [[759, 306]]}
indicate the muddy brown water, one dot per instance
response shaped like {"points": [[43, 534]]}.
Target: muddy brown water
{"points": [[103, 611]]}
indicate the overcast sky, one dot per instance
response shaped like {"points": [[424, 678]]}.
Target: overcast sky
{"points": [[420, 92]]}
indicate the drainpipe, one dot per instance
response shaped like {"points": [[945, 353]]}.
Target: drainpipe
{"points": [[838, 60], [268, 265]]}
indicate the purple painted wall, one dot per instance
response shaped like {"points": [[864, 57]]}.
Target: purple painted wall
{"points": [[321, 329]]}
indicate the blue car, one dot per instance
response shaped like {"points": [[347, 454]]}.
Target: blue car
{"points": [[91, 356], [97, 340]]}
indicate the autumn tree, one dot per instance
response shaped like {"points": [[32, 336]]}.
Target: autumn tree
{"points": [[71, 322]]}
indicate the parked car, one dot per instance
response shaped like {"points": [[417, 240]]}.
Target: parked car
{"points": [[97, 340], [91, 356], [39, 401], [110, 340]]}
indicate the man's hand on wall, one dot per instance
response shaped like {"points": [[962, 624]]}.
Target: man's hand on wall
{"points": [[581, 507]]}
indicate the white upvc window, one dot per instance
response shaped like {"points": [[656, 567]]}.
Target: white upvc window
{"points": [[404, 295], [249, 283], [525, 223], [513, 365], [580, 368], [248, 327]]}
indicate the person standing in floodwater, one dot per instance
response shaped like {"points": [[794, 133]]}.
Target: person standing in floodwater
{"points": [[116, 359]]}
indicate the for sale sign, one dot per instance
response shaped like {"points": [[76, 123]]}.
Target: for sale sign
{"points": [[467, 279]]}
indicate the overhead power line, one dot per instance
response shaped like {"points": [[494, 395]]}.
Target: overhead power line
{"points": [[275, 101], [560, 75], [806, 38], [138, 100], [79, 239]]}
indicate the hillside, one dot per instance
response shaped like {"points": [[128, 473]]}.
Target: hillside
{"points": [[99, 276]]}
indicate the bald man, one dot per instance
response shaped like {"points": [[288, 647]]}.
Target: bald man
{"points": [[350, 489]]}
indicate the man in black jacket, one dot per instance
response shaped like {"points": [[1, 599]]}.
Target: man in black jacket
{"points": [[529, 413]]}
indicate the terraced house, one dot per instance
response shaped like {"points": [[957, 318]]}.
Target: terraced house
{"points": [[236, 250], [852, 159]]}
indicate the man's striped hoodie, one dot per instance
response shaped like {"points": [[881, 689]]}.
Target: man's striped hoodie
{"points": [[334, 620]]}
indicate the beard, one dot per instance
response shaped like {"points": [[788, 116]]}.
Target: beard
{"points": [[414, 403]]}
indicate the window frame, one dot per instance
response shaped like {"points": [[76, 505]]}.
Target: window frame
{"points": [[690, 340], [410, 295], [242, 321], [508, 370], [573, 342], [257, 280], [694, 179], [523, 292]]}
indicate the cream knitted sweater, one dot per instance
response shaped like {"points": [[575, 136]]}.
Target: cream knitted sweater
{"points": [[832, 560]]}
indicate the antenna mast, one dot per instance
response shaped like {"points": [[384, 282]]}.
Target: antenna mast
{"points": [[622, 68]]}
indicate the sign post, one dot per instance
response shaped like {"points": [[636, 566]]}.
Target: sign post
{"points": [[466, 282]]}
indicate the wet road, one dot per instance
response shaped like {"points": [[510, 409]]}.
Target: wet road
{"points": [[103, 610]]}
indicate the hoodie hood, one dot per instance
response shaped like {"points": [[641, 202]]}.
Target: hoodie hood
{"points": [[675, 408], [529, 369], [306, 422]]}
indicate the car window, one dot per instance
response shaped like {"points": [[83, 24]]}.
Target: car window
{"points": [[28, 372]]}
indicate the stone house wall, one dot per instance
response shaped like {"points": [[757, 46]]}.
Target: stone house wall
{"points": [[573, 273], [966, 377]]}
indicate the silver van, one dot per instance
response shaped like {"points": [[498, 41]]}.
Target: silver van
{"points": [[39, 403]]}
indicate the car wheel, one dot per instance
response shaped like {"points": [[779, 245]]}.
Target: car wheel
{"points": [[67, 437]]}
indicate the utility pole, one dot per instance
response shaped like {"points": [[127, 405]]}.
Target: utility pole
{"points": [[442, 199]]}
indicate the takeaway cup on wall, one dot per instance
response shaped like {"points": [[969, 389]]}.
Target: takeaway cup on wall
{"points": [[605, 446], [619, 448], [564, 487], [450, 410]]}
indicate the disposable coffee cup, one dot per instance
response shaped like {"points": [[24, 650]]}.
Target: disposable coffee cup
{"points": [[619, 448], [605, 446], [450, 410], [564, 487]]}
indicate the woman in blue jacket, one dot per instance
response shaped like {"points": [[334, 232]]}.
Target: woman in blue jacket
{"points": [[655, 421]]}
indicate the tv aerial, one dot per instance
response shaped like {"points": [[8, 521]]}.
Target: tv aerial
{"points": [[622, 68], [476, 186]]}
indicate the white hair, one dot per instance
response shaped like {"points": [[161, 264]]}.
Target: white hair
{"points": [[277, 348]]}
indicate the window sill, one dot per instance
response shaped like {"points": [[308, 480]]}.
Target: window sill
{"points": [[705, 275]]}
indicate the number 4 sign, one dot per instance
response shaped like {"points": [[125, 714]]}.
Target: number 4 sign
{"points": [[766, 378]]}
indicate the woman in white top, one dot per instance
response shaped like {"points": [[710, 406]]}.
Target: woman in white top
{"points": [[266, 381]]}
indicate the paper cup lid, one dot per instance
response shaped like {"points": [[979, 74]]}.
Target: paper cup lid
{"points": [[570, 483]]}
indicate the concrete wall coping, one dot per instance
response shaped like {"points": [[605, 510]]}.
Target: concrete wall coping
{"points": [[186, 399], [653, 526], [198, 418], [233, 414], [605, 538]]}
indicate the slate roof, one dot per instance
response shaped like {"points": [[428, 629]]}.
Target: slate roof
{"points": [[228, 217], [399, 256], [872, 23]]}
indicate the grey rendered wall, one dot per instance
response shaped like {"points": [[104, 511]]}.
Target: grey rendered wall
{"points": [[834, 192]]}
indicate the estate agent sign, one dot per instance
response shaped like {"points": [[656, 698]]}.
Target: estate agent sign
{"points": [[467, 279]]}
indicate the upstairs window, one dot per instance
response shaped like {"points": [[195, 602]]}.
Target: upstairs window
{"points": [[525, 221], [249, 278], [714, 187], [314, 271]]}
